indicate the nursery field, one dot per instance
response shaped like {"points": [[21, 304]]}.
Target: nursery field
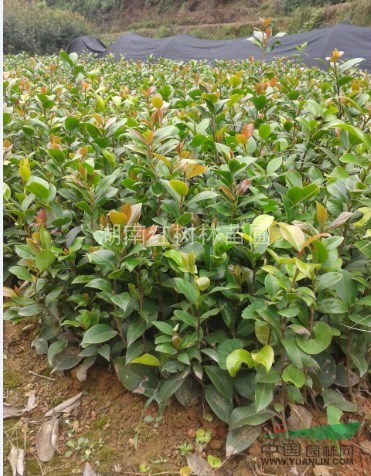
{"points": [[187, 256]]}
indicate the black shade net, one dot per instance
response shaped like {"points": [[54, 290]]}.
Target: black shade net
{"points": [[354, 41]]}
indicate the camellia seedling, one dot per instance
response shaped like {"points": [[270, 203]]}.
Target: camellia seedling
{"points": [[204, 229]]}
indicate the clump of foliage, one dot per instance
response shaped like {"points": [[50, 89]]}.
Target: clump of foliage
{"points": [[161, 5], [194, 224], [290, 5], [39, 30], [306, 19], [89, 8]]}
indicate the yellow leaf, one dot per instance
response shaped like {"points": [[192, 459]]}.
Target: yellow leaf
{"points": [[9, 292], [228, 192], [164, 159], [179, 187], [293, 235], [264, 356], [83, 150], [157, 101], [36, 236], [322, 215], [274, 234], [241, 139], [118, 218], [33, 245], [98, 118], [25, 173], [366, 217], [126, 208], [313, 238], [185, 471], [193, 170], [246, 237]]}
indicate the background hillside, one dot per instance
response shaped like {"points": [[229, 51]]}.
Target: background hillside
{"points": [[214, 18], [46, 26]]}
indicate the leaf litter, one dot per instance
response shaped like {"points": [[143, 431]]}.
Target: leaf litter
{"points": [[65, 407], [47, 439], [16, 460]]}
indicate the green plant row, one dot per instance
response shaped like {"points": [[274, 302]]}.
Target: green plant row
{"points": [[196, 225]]}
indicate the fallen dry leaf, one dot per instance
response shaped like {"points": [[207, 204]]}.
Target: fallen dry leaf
{"points": [[321, 471], [89, 471], [66, 406], [16, 460], [199, 466], [31, 403], [365, 445], [300, 418], [82, 369], [240, 439], [10, 411], [47, 439]]}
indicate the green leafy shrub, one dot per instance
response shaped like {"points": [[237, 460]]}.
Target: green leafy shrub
{"points": [[161, 5], [193, 224], [306, 19], [88, 8], [39, 30]]}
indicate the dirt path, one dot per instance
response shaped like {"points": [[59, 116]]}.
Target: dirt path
{"points": [[108, 428]]}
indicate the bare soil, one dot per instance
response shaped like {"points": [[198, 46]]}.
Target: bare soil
{"points": [[110, 419]]}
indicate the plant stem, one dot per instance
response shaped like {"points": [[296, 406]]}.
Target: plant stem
{"points": [[348, 367], [117, 320], [282, 354]]}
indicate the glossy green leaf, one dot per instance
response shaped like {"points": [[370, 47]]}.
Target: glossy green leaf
{"points": [[293, 234], [321, 339], [179, 187], [171, 385], [264, 356], [248, 415], [121, 300], [236, 358], [263, 395], [221, 406], [38, 187], [332, 306], [188, 289], [327, 280], [221, 381], [146, 359], [294, 375], [265, 131], [21, 273], [98, 334], [206, 195], [44, 260], [333, 415], [337, 399]]}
